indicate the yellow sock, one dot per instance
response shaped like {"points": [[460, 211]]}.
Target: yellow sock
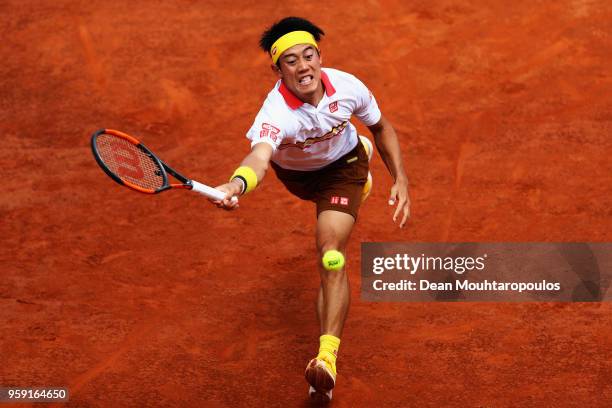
{"points": [[328, 350]]}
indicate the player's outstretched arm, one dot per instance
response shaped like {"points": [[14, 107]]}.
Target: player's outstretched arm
{"points": [[249, 174], [389, 149]]}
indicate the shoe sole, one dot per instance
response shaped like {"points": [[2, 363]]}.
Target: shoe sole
{"points": [[319, 377], [319, 397]]}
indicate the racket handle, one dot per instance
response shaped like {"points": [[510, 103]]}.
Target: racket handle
{"points": [[209, 192]]}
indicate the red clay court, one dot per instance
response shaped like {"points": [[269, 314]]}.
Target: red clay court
{"points": [[504, 113]]}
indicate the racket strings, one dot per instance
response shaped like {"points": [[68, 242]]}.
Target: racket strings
{"points": [[130, 163]]}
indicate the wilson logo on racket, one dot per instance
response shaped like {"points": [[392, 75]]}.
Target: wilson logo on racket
{"points": [[127, 161]]}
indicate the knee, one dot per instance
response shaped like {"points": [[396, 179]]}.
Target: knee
{"points": [[329, 243], [331, 246]]}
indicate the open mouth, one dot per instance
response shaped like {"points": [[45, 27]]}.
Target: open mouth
{"points": [[306, 80]]}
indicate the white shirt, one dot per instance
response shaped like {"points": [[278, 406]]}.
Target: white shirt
{"points": [[305, 137]]}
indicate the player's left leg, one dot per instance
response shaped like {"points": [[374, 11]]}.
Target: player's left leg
{"points": [[369, 148]]}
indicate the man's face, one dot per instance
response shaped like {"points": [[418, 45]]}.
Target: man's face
{"points": [[300, 70]]}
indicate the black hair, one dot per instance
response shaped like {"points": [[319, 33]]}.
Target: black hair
{"points": [[287, 25]]}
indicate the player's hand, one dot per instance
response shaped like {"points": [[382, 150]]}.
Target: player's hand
{"points": [[399, 195], [231, 189]]}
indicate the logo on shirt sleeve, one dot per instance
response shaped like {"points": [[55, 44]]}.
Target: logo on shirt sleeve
{"points": [[333, 107], [267, 130]]}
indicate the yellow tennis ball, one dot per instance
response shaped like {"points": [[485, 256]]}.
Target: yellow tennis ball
{"points": [[333, 260]]}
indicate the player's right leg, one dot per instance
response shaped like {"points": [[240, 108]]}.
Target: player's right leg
{"points": [[333, 231], [337, 191], [338, 199]]}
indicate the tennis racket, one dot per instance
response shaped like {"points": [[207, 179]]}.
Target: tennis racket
{"points": [[133, 165]]}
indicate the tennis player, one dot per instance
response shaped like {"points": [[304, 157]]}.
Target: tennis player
{"points": [[303, 131]]}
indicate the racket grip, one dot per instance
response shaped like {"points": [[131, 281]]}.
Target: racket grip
{"points": [[209, 192]]}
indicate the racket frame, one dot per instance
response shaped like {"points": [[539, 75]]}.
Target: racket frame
{"points": [[163, 167]]}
